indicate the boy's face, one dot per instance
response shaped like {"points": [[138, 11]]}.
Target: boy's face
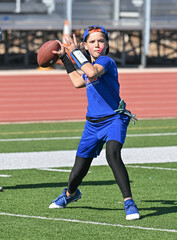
{"points": [[96, 44]]}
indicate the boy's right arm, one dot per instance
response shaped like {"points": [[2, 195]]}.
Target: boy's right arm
{"points": [[76, 79], [74, 76]]}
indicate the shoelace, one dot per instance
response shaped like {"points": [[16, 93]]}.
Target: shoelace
{"points": [[60, 197], [133, 207]]}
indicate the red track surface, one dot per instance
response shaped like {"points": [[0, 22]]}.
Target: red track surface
{"points": [[52, 97]]}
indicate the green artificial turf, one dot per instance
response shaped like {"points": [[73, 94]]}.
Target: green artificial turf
{"points": [[99, 214]]}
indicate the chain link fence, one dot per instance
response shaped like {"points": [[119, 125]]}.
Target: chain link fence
{"points": [[81, 9]]}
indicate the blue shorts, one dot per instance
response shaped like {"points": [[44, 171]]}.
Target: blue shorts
{"points": [[96, 134]]}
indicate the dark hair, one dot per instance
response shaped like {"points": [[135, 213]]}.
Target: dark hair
{"points": [[92, 28]]}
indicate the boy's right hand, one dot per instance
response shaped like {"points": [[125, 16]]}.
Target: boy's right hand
{"points": [[61, 51]]}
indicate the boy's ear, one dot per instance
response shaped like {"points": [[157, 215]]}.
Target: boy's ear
{"points": [[85, 45]]}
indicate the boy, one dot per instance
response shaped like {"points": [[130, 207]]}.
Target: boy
{"points": [[105, 122]]}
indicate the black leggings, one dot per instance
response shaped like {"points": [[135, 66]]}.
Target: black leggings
{"points": [[79, 171], [113, 156]]}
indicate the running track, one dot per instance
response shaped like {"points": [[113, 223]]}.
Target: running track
{"points": [[50, 96]]}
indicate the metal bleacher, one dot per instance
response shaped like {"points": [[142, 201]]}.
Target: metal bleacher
{"points": [[82, 10], [163, 10], [7, 7], [102, 12], [42, 20], [32, 6]]}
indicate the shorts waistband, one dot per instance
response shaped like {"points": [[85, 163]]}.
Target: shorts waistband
{"points": [[100, 119]]}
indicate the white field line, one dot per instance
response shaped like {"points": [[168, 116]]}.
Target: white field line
{"points": [[88, 222], [55, 170], [156, 168], [78, 137], [5, 176]]}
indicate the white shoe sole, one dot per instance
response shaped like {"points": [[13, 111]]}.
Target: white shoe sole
{"points": [[54, 205], [134, 216]]}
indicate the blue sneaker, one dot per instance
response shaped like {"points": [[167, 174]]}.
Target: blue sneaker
{"points": [[131, 210], [62, 200]]}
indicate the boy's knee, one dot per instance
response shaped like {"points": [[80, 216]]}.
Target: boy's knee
{"points": [[113, 150]]}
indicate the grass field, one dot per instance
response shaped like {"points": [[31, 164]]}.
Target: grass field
{"points": [[24, 212]]}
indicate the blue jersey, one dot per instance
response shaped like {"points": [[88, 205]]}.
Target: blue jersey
{"points": [[103, 92]]}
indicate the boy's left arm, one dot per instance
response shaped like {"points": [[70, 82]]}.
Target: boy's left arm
{"points": [[92, 71]]}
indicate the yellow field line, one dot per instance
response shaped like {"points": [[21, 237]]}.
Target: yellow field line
{"points": [[47, 131], [80, 130], [149, 128]]}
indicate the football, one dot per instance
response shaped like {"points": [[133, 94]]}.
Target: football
{"points": [[45, 57]]}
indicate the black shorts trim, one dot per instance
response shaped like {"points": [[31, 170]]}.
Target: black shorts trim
{"points": [[99, 119]]}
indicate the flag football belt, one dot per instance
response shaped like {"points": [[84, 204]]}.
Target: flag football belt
{"points": [[122, 109]]}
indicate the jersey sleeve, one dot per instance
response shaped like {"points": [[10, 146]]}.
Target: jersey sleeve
{"points": [[106, 62]]}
